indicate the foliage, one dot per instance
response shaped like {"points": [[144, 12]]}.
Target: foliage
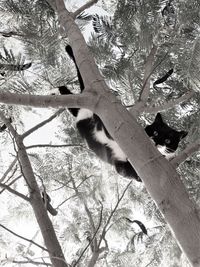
{"points": [[84, 190]]}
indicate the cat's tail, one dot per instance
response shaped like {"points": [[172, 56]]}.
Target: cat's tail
{"points": [[69, 51]]}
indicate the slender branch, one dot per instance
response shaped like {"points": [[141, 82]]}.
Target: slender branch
{"points": [[169, 104], [36, 127], [94, 235], [82, 8], [39, 263], [112, 213], [188, 151], [8, 170], [12, 182], [54, 146], [26, 239], [14, 192], [147, 74]]}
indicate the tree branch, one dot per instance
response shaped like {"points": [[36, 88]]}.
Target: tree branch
{"points": [[147, 74], [30, 131], [82, 8], [14, 192], [169, 104], [104, 231], [187, 152], [84, 100], [45, 224], [94, 235], [12, 182], [39, 263], [8, 170], [26, 239], [54, 146]]}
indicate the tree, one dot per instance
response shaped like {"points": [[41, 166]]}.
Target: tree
{"points": [[159, 176]]}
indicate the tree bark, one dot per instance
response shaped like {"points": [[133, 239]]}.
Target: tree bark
{"points": [[160, 177], [46, 227]]}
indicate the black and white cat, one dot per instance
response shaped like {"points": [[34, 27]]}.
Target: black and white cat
{"points": [[101, 142]]}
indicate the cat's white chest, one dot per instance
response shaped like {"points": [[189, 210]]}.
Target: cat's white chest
{"points": [[163, 151]]}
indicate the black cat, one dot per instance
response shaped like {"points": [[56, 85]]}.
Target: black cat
{"points": [[101, 142]]}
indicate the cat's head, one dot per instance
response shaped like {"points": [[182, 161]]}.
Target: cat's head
{"points": [[165, 138]]}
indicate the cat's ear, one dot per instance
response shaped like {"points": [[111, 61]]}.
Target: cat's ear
{"points": [[183, 134], [158, 118]]}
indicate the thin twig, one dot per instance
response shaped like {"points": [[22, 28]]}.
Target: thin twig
{"points": [[39, 263], [94, 235], [104, 231], [55, 146], [8, 170], [36, 127], [26, 239]]}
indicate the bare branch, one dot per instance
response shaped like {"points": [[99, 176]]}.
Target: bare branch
{"points": [[187, 152], [30, 131], [104, 231], [54, 146], [81, 9], [14, 192], [12, 182], [169, 104], [147, 74], [26, 239], [8, 170], [94, 235], [84, 100], [39, 263]]}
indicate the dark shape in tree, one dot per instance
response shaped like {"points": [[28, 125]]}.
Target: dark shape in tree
{"points": [[164, 78], [46, 199]]}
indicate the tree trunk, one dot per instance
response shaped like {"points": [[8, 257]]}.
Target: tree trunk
{"points": [[160, 177], [46, 227]]}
